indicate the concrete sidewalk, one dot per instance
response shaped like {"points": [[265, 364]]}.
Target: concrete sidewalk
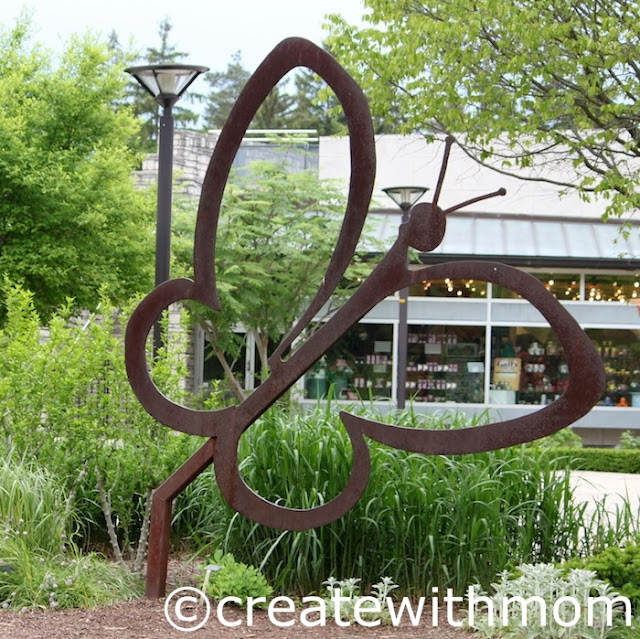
{"points": [[591, 486]]}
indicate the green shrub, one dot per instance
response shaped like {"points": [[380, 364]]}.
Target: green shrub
{"points": [[629, 441], [234, 579], [612, 460], [564, 438], [620, 566], [67, 405], [423, 520]]}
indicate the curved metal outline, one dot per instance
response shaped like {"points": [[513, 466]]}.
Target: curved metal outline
{"points": [[424, 229]]}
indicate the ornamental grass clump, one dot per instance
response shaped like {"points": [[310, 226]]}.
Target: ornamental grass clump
{"points": [[424, 520], [40, 567]]}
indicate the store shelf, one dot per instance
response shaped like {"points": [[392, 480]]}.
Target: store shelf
{"points": [[438, 367]]}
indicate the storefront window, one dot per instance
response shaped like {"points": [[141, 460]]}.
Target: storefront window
{"points": [[620, 352], [528, 366], [611, 288], [563, 286], [449, 287], [445, 364], [358, 366]]}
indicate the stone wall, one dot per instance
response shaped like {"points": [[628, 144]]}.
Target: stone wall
{"points": [[192, 152]]}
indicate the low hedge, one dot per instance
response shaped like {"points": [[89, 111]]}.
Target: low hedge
{"points": [[611, 460]]}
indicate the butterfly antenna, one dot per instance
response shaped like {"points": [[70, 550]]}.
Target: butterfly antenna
{"points": [[473, 200], [448, 143]]}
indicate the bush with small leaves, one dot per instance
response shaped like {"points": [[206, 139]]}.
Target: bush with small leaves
{"points": [[234, 579], [618, 565]]}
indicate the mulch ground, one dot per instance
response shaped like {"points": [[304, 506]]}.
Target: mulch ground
{"points": [[145, 619]]}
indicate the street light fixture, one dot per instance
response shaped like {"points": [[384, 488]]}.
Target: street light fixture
{"points": [[166, 83], [405, 197]]}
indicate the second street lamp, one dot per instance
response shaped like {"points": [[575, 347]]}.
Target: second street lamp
{"points": [[166, 83], [405, 197]]}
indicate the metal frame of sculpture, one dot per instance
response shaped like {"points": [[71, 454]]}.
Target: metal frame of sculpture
{"points": [[424, 231]]}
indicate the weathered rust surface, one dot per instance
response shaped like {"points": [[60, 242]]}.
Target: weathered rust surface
{"points": [[424, 231]]}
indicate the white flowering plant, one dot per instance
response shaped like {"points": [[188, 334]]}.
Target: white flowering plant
{"points": [[543, 601]]}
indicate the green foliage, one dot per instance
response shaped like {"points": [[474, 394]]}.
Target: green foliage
{"points": [[610, 460], [310, 107], [349, 590], [565, 438], [423, 520], [543, 89], [68, 406], [225, 89], [620, 566], [33, 512], [316, 105], [550, 584], [39, 565], [235, 579], [629, 441], [276, 235], [71, 219], [70, 580]]}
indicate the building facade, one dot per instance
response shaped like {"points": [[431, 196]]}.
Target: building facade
{"points": [[474, 347]]}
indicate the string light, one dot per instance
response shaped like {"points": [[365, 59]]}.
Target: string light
{"points": [[600, 288]]}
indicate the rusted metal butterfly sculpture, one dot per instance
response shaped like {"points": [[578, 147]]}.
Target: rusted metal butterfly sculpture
{"points": [[424, 231]]}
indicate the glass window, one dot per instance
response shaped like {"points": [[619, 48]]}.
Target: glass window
{"points": [[213, 372], [611, 288], [528, 366], [358, 365], [445, 364], [449, 287], [620, 352], [563, 286]]}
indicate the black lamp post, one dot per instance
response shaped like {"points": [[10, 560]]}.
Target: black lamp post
{"points": [[405, 197], [166, 83]]}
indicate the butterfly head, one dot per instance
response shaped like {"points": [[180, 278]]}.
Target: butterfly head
{"points": [[428, 222]]}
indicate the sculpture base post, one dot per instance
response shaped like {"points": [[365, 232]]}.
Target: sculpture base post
{"points": [[161, 508]]}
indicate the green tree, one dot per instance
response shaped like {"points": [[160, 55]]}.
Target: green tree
{"points": [[276, 235], [543, 90], [71, 219], [225, 89], [276, 110], [316, 106], [274, 113]]}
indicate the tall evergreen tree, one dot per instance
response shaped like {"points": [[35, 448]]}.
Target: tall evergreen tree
{"points": [[225, 89], [276, 112], [316, 106]]}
